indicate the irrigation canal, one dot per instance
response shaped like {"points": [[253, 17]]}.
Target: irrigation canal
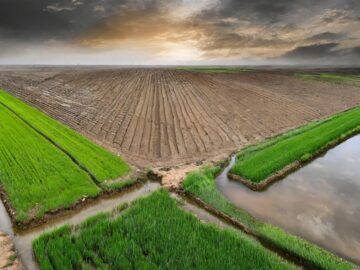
{"points": [[320, 202], [23, 239]]}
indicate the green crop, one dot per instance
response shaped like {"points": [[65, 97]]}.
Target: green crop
{"points": [[213, 70], [36, 175], [100, 162], [152, 234], [331, 78], [45, 165], [258, 162]]}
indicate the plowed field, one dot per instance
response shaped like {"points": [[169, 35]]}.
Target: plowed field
{"points": [[164, 116]]}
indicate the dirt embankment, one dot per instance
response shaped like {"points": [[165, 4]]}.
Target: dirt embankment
{"points": [[8, 259], [164, 117]]}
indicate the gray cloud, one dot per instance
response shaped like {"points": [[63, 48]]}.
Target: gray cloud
{"points": [[45, 19], [326, 36], [292, 30], [328, 53], [56, 7], [312, 51]]}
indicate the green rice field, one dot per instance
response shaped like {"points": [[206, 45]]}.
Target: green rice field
{"points": [[37, 168], [331, 78], [100, 162], [214, 70], [258, 162], [152, 234]]}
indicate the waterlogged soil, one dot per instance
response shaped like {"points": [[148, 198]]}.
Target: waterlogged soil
{"points": [[320, 202], [22, 239]]}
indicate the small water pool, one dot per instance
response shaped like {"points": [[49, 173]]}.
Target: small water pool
{"points": [[320, 202]]}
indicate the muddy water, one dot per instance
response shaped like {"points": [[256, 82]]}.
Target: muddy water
{"points": [[22, 240], [320, 202], [202, 214]]}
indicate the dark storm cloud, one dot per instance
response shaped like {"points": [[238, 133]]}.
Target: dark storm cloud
{"points": [[23, 19], [293, 29], [279, 29], [356, 51], [312, 51], [267, 11], [44, 19], [326, 36], [328, 53], [260, 11]]}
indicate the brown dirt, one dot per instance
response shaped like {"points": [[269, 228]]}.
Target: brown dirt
{"points": [[164, 117], [8, 260], [171, 177]]}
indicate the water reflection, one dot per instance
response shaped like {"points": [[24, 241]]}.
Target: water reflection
{"points": [[320, 202]]}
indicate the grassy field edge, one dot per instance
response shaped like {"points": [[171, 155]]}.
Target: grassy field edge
{"points": [[278, 175], [255, 169], [347, 79], [107, 191], [152, 233], [214, 70]]}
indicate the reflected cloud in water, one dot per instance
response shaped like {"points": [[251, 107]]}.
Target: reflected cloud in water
{"points": [[320, 202]]}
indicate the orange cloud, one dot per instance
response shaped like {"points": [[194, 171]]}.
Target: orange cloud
{"points": [[189, 34]]}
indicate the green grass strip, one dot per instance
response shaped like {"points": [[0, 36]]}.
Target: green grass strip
{"points": [[152, 234], [100, 162], [258, 162], [35, 174], [202, 185], [331, 78], [214, 70]]}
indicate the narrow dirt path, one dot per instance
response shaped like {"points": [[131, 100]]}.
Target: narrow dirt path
{"points": [[8, 257]]}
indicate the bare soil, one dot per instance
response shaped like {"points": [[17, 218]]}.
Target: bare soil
{"points": [[8, 259], [165, 117]]}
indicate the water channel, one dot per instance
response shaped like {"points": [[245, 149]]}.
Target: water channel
{"points": [[23, 239], [320, 202]]}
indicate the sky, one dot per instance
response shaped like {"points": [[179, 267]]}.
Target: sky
{"points": [[180, 32]]}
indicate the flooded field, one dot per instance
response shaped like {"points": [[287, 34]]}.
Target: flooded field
{"points": [[320, 202]]}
